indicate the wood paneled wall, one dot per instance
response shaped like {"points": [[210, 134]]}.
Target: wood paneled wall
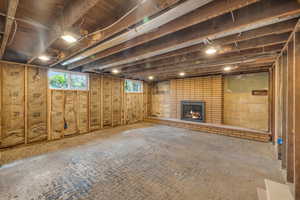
{"points": [[30, 112], [167, 97]]}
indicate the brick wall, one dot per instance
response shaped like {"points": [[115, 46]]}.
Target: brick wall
{"points": [[167, 97]]}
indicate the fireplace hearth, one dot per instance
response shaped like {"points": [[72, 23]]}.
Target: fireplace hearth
{"points": [[193, 111]]}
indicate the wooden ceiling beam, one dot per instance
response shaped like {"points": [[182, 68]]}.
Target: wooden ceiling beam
{"points": [[265, 41], [250, 55], [206, 12], [11, 12], [282, 27], [249, 68], [74, 11], [206, 71], [144, 10], [251, 17]]}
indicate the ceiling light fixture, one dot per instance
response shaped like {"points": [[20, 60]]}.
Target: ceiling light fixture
{"points": [[150, 77], [181, 74], [211, 51], [115, 71], [69, 38], [227, 69], [44, 58]]}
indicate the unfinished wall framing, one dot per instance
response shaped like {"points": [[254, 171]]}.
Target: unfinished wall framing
{"points": [[287, 109], [30, 112]]}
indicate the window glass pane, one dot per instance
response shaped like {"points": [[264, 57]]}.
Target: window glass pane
{"points": [[58, 80], [68, 80], [133, 86], [79, 82]]}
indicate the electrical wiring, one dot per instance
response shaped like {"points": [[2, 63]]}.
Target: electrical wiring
{"points": [[111, 25], [36, 24]]}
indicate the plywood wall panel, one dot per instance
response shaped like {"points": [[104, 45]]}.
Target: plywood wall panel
{"points": [[36, 104], [180, 96], [70, 113], [117, 98], [146, 100], [173, 98], [13, 113], [95, 102], [161, 99], [133, 107], [82, 113], [57, 114], [107, 101]]}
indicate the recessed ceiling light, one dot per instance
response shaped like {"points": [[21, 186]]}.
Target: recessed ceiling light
{"points": [[150, 77], [115, 71], [227, 69], [44, 58], [211, 51], [69, 38], [181, 74]]}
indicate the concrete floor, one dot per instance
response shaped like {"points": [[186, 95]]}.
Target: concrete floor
{"points": [[139, 162]]}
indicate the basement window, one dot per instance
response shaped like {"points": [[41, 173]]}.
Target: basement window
{"points": [[133, 86], [65, 80]]}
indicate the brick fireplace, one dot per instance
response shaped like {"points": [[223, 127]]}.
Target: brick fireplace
{"points": [[193, 111]]}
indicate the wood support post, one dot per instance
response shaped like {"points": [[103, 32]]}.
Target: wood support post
{"points": [[284, 110], [297, 114], [290, 110]]}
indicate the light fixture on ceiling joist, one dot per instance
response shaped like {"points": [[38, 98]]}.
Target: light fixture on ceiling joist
{"points": [[115, 71], [229, 68], [69, 38], [44, 58], [211, 51], [181, 74]]}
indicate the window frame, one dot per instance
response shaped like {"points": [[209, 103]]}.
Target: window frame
{"points": [[138, 92], [69, 73]]}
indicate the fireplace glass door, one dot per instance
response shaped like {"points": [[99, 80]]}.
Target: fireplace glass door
{"points": [[193, 111]]}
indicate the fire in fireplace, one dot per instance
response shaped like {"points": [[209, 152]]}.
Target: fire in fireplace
{"points": [[193, 111]]}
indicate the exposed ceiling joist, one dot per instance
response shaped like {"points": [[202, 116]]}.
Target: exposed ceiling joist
{"points": [[172, 14], [194, 57], [282, 27], [245, 68], [204, 62], [251, 17], [243, 45], [74, 11], [209, 11], [11, 12], [142, 11]]}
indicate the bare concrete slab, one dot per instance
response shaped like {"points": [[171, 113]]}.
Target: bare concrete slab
{"points": [[138, 162]]}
